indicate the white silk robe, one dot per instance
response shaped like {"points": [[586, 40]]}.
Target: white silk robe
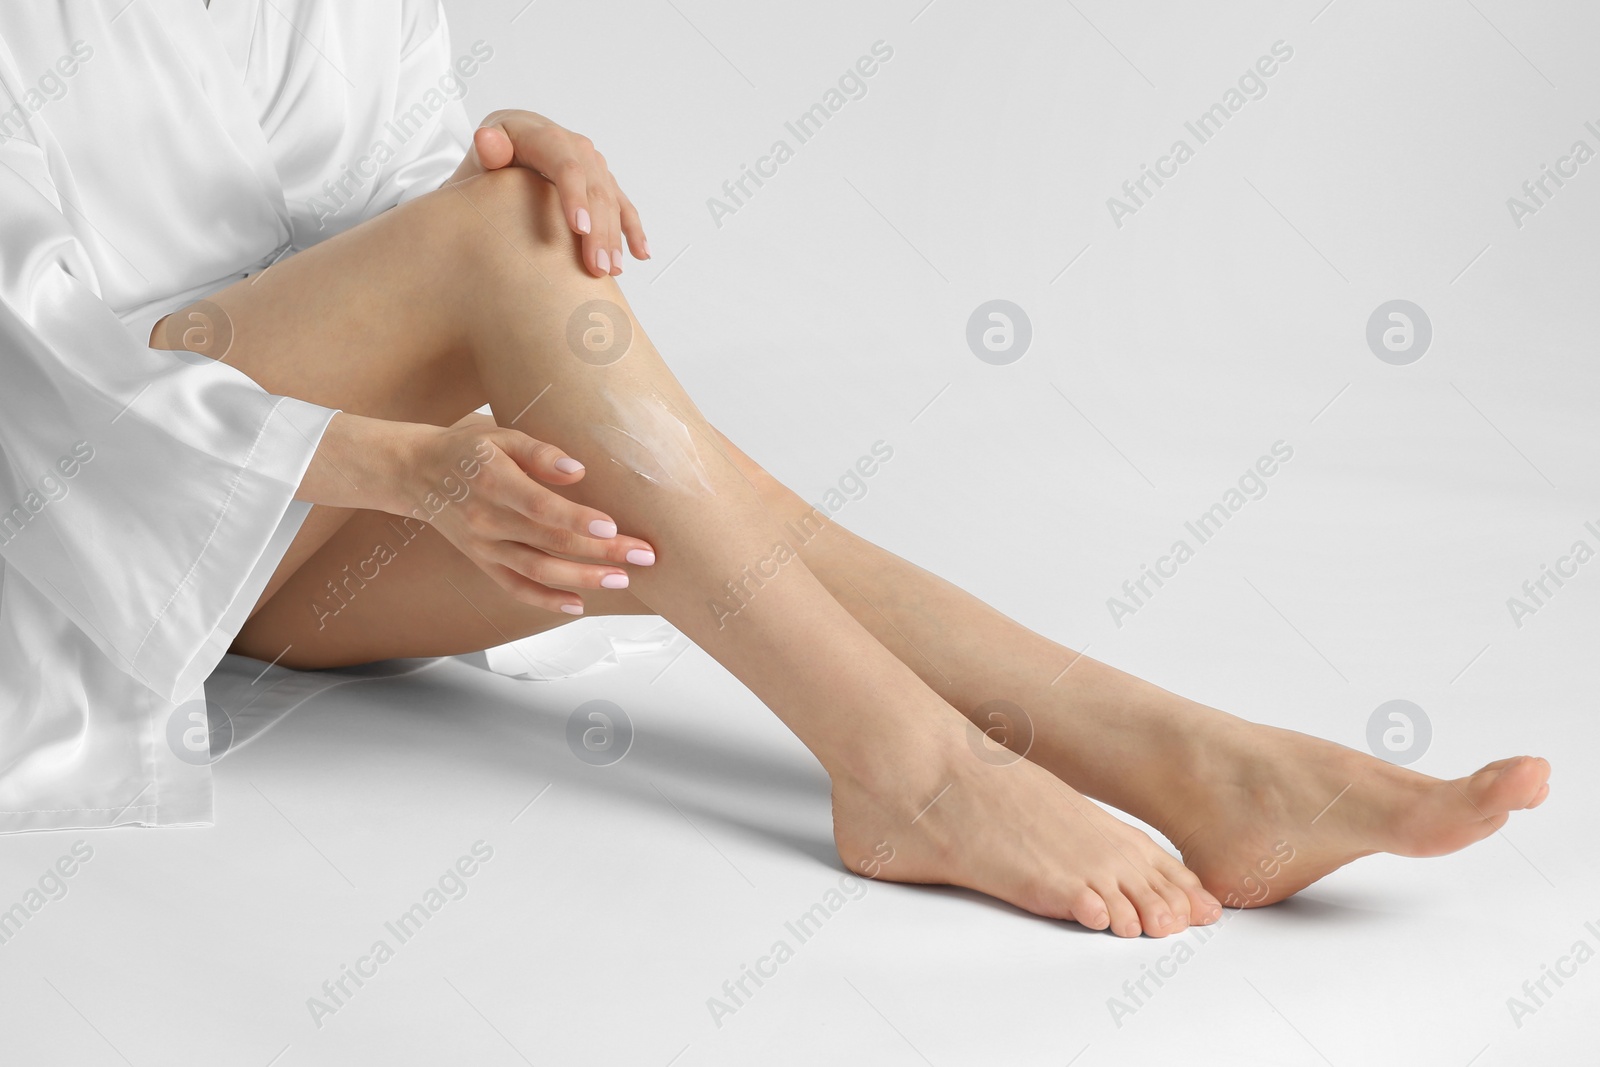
{"points": [[152, 152]]}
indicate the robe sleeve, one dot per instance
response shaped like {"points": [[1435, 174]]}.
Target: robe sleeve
{"points": [[145, 494], [430, 86]]}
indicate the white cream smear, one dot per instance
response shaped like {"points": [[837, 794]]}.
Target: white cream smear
{"points": [[645, 436]]}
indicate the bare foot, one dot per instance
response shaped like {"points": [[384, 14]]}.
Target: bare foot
{"points": [[1266, 812], [1018, 833]]}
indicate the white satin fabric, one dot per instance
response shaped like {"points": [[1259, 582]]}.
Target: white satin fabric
{"points": [[152, 152]]}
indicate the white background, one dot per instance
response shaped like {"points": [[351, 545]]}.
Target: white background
{"points": [[829, 313]]}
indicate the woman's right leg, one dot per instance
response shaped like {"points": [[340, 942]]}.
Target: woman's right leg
{"points": [[1235, 797], [486, 279]]}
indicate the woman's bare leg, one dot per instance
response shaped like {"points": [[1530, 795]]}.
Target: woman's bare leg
{"points": [[1235, 797], [1227, 791], [478, 283]]}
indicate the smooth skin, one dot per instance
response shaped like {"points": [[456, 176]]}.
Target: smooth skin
{"points": [[413, 320]]}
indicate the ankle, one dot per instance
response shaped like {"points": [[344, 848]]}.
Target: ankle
{"points": [[1168, 773], [904, 766]]}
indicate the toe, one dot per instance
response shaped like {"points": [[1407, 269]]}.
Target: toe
{"points": [[1203, 908], [1085, 907], [1507, 785], [1469, 809], [1124, 916], [1156, 915], [1177, 901]]}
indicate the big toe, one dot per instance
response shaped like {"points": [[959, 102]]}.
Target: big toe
{"points": [[1086, 908], [1508, 785], [1471, 808]]}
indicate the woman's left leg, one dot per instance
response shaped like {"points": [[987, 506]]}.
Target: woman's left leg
{"points": [[323, 332], [1234, 796], [380, 587], [477, 283]]}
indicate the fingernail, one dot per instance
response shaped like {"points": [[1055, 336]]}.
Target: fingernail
{"points": [[644, 246], [640, 557], [572, 609], [603, 260], [583, 220], [568, 465], [602, 528], [614, 581], [616, 257]]}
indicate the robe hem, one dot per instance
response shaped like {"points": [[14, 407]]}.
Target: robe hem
{"points": [[268, 482]]}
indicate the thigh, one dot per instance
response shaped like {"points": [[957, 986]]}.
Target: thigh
{"points": [[362, 322], [379, 587], [382, 587], [378, 322]]}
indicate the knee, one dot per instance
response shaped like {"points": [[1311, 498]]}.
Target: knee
{"points": [[515, 212]]}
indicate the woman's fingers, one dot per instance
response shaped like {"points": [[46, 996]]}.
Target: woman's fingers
{"points": [[552, 524], [540, 459], [572, 185], [595, 208], [529, 591], [614, 212], [607, 224], [565, 526], [562, 525], [481, 487], [545, 569], [632, 227], [586, 204], [493, 145]]}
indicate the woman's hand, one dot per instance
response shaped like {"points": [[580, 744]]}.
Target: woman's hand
{"points": [[475, 483], [594, 205]]}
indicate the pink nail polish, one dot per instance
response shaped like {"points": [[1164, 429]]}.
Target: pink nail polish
{"points": [[568, 465], [602, 528], [572, 609], [614, 581], [603, 261], [583, 221], [640, 557], [616, 259], [644, 246]]}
